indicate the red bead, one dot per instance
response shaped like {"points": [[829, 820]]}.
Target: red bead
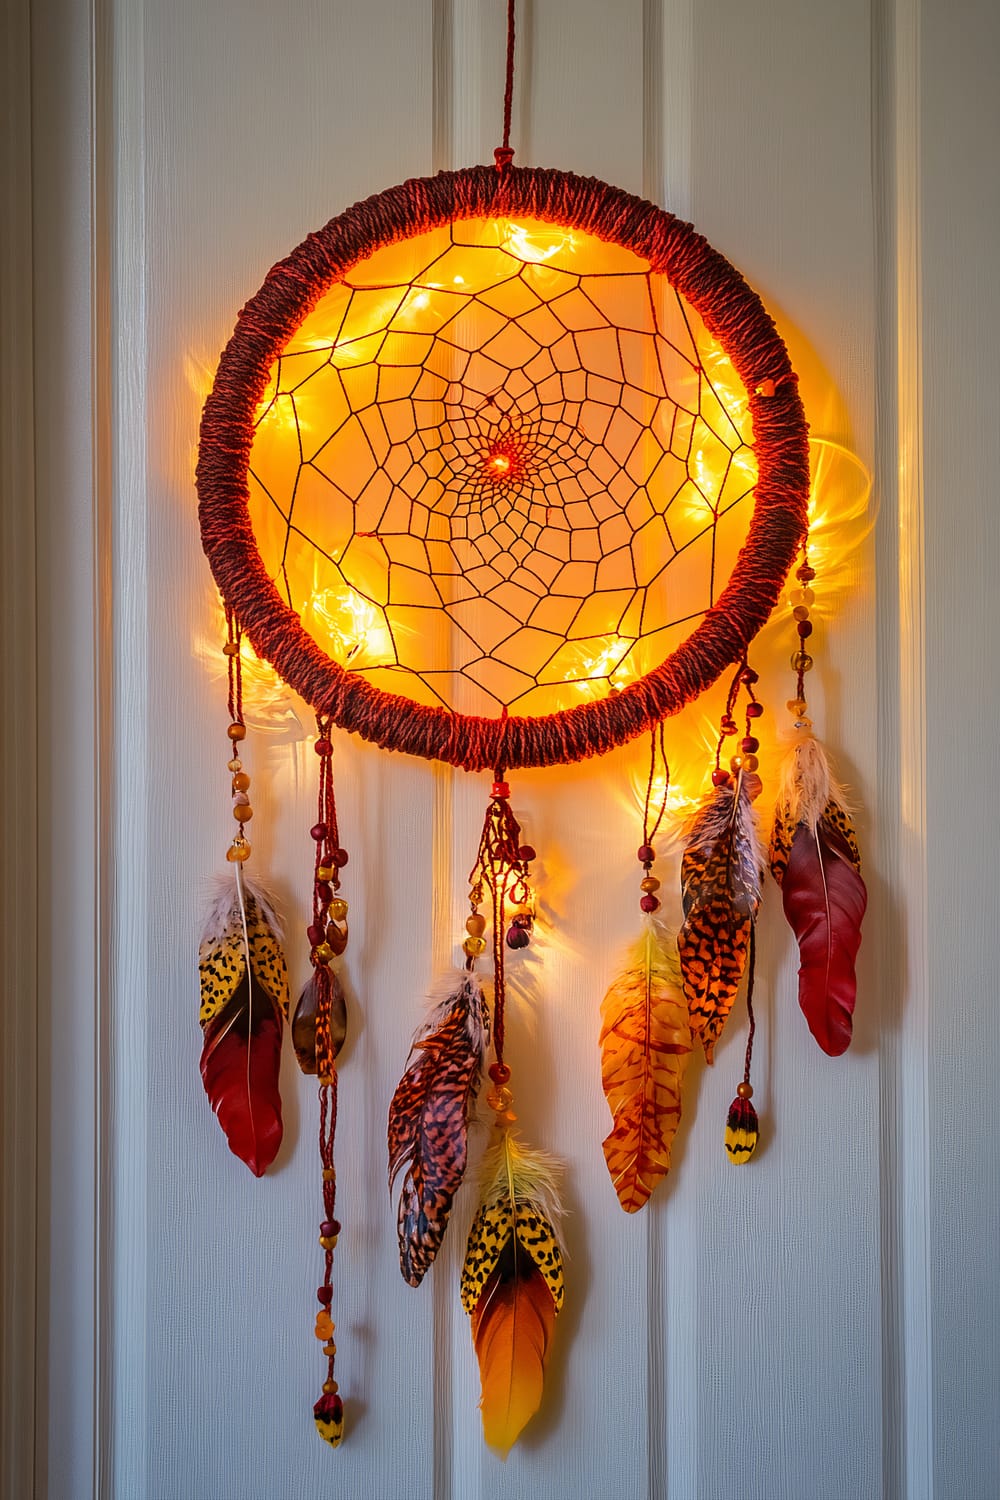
{"points": [[326, 1228], [324, 890], [340, 858], [649, 903], [517, 938], [749, 676], [646, 854], [499, 1072], [804, 628], [315, 934], [749, 745], [720, 777], [728, 724], [754, 710], [526, 854], [323, 747], [318, 832], [324, 1294], [806, 573], [500, 789]]}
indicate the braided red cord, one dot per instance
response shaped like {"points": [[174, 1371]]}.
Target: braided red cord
{"points": [[732, 313]]}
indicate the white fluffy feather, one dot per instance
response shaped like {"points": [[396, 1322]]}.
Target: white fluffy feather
{"points": [[806, 784], [224, 906]]}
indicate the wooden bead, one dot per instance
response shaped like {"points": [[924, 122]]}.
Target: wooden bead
{"points": [[800, 612], [650, 883], [744, 1091], [237, 732], [241, 781], [231, 649], [750, 762], [475, 925], [329, 1174], [329, 1388]]}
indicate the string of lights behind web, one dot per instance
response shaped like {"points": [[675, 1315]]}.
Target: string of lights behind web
{"points": [[501, 465]]}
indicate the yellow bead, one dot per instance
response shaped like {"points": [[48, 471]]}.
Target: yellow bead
{"points": [[237, 732], [323, 953], [330, 1349], [744, 1091], [475, 925], [329, 1174], [242, 812], [802, 662], [473, 946], [326, 1241], [325, 872], [796, 705], [499, 1098], [241, 781], [649, 884], [338, 909]]}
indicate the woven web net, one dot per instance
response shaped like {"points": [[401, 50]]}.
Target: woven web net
{"points": [[501, 464]]}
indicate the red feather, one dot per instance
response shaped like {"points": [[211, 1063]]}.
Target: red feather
{"points": [[824, 898], [240, 1062]]}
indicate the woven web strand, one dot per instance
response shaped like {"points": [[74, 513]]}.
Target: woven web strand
{"points": [[493, 465], [477, 421]]}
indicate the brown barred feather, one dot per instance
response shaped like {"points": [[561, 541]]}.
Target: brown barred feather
{"points": [[721, 871], [428, 1120]]}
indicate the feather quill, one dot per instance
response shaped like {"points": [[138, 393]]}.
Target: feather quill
{"points": [[721, 872], [512, 1286], [815, 859], [428, 1119], [645, 1047], [244, 1000]]}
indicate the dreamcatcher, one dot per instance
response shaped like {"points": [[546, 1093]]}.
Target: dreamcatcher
{"points": [[474, 478]]}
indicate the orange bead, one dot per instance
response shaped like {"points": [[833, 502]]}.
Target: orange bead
{"points": [[242, 812], [230, 649], [329, 1174], [744, 1091], [499, 1098], [330, 1349], [324, 1325], [475, 925], [237, 732], [238, 851], [750, 762], [241, 781], [330, 1388]]}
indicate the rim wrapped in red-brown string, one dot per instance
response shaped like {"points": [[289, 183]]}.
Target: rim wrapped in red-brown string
{"points": [[732, 313]]}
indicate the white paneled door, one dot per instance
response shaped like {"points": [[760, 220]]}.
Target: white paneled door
{"points": [[821, 1325]]}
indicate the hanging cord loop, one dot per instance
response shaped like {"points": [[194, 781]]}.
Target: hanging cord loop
{"points": [[504, 155]]}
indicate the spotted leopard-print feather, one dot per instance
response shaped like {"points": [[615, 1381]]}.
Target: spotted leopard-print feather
{"points": [[491, 1230]]}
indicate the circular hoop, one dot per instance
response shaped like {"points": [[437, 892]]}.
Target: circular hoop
{"points": [[733, 314]]}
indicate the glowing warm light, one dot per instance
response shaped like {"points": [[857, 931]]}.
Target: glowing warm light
{"points": [[533, 246], [354, 629], [500, 463]]}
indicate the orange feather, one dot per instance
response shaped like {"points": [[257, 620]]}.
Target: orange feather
{"points": [[511, 1331]]}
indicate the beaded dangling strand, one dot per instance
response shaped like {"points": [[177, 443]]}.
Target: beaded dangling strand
{"points": [[318, 1031]]}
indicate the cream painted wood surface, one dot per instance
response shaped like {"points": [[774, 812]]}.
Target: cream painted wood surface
{"points": [[815, 1327]]}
